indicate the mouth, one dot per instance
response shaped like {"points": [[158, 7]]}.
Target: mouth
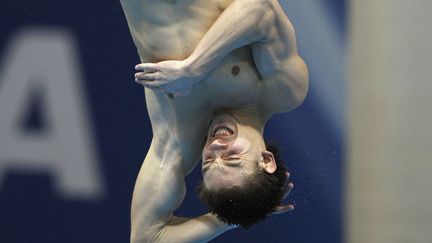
{"points": [[222, 131], [222, 126]]}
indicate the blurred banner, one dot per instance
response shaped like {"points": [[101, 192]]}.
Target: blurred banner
{"points": [[390, 136], [74, 128]]}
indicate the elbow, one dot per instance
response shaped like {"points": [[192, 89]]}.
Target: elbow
{"points": [[298, 83], [302, 84], [288, 89], [299, 94], [296, 95]]}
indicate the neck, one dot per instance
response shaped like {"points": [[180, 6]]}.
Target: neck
{"points": [[250, 118], [253, 125]]}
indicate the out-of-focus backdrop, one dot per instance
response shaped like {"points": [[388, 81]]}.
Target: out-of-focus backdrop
{"points": [[74, 128], [389, 135]]}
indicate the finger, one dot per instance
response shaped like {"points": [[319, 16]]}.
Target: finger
{"points": [[288, 186], [288, 189], [146, 76], [146, 67], [283, 208]]}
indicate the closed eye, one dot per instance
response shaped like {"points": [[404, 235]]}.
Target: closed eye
{"points": [[208, 160], [235, 162]]}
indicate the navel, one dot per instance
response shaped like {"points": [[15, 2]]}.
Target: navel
{"points": [[235, 70]]}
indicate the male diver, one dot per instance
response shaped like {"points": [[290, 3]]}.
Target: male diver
{"points": [[228, 63]]}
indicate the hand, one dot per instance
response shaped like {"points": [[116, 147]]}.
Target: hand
{"points": [[283, 208], [171, 77]]}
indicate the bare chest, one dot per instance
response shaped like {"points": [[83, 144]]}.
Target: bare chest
{"points": [[171, 32]]}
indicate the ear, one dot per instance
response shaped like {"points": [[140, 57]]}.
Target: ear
{"points": [[269, 163]]}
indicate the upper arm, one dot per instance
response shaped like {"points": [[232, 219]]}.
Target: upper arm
{"points": [[284, 73], [286, 90], [158, 192]]}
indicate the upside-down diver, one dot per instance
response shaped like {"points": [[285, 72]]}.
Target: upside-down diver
{"points": [[215, 71]]}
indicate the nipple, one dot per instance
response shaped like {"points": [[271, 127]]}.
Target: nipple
{"points": [[235, 70]]}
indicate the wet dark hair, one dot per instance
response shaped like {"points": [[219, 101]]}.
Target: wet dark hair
{"points": [[252, 202]]}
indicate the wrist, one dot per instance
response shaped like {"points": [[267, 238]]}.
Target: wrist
{"points": [[194, 68]]}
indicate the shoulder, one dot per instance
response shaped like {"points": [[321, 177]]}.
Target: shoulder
{"points": [[287, 89]]}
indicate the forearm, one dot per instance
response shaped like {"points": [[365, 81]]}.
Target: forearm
{"points": [[243, 22], [199, 229]]}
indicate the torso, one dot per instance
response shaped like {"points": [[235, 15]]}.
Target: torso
{"points": [[171, 31], [163, 30]]}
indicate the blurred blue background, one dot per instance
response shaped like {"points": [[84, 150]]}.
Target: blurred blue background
{"points": [[74, 127]]}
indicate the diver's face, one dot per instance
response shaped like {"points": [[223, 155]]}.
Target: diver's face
{"points": [[231, 153]]}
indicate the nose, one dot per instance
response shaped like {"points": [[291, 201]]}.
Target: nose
{"points": [[218, 145]]}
